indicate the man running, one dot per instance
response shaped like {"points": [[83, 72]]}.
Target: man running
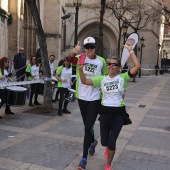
{"points": [[88, 96]]}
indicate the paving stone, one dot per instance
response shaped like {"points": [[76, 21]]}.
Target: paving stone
{"points": [[44, 152], [162, 104], [76, 129], [159, 112], [153, 122], [5, 134], [137, 160], [129, 100], [150, 139], [25, 120]]}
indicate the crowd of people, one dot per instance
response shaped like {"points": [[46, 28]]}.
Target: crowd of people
{"points": [[100, 88]]}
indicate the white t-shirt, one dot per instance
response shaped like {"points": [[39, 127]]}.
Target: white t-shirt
{"points": [[65, 74], [112, 89], [4, 80], [91, 68], [35, 72]]}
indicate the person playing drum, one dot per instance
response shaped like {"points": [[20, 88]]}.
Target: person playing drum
{"points": [[60, 63], [32, 72], [4, 78], [63, 75]]}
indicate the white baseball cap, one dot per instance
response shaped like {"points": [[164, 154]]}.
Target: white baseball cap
{"points": [[89, 40]]}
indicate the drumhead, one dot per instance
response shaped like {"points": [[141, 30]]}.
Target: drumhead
{"points": [[54, 79], [16, 88]]}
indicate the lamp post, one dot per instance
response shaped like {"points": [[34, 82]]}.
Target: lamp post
{"points": [[125, 28], [164, 53], [142, 45], [159, 46], [163, 61], [77, 4], [166, 62]]}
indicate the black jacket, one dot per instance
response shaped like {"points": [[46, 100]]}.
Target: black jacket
{"points": [[20, 61]]}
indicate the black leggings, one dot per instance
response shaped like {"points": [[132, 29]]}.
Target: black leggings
{"points": [[3, 97], [63, 94], [34, 91], [89, 112], [111, 122]]}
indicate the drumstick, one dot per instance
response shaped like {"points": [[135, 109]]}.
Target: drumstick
{"points": [[73, 81], [12, 68]]}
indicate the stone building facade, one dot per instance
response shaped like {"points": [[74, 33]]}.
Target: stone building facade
{"points": [[17, 29]]}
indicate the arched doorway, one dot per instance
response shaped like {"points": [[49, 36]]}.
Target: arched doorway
{"points": [[109, 38]]}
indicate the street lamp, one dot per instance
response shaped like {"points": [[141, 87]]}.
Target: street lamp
{"points": [[125, 28], [125, 34], [77, 4], [163, 61], [142, 45], [166, 61], [159, 46]]}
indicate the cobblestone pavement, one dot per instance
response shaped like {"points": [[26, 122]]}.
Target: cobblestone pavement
{"points": [[34, 140]]}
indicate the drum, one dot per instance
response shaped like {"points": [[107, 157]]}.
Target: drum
{"points": [[16, 95], [41, 89], [71, 95]]}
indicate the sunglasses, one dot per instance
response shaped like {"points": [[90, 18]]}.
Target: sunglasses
{"points": [[89, 46], [112, 64], [21, 50]]}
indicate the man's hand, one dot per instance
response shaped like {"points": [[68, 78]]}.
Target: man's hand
{"points": [[77, 48]]}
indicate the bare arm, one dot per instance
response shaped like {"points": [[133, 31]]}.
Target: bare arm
{"points": [[59, 79], [2, 77], [134, 59], [9, 79], [84, 80]]}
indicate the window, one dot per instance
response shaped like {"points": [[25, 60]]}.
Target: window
{"points": [[2, 18]]}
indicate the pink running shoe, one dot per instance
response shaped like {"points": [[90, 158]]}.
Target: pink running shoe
{"points": [[107, 167], [106, 153]]}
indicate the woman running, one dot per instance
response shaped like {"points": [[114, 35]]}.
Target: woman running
{"points": [[113, 87]]}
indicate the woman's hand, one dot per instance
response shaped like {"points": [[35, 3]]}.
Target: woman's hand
{"points": [[9, 79], [64, 80], [128, 46], [80, 66]]}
